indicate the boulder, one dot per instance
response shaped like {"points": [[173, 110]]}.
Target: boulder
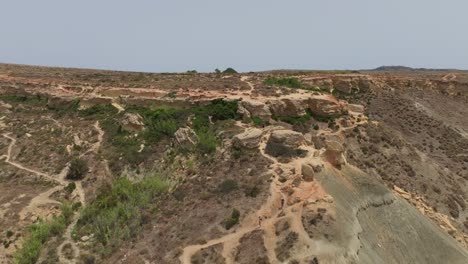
{"points": [[256, 109], [285, 144], [58, 103], [249, 139], [307, 172], [132, 122], [185, 136], [6, 105], [287, 138], [334, 153], [356, 108]]}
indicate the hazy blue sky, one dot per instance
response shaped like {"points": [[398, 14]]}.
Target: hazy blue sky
{"points": [[176, 35]]}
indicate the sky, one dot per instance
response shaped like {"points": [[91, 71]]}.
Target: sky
{"points": [[253, 35]]}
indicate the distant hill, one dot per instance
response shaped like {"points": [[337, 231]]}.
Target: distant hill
{"points": [[405, 68], [393, 68]]}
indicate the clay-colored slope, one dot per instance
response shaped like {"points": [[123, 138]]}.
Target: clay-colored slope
{"points": [[375, 226]]}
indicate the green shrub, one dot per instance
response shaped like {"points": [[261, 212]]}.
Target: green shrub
{"points": [[118, 213], [70, 187], [288, 82], [233, 220], [9, 233], [316, 127], [228, 186], [99, 111], [252, 191], [78, 169]]}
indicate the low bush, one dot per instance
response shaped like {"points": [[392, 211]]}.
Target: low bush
{"points": [[233, 220], [77, 170]]}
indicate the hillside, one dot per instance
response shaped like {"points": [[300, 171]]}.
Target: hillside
{"points": [[271, 167]]}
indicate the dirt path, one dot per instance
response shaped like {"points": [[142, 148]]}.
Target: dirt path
{"points": [[449, 77], [245, 79], [119, 107], [68, 240], [21, 167]]}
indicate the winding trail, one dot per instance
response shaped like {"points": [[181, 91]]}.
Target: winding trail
{"points": [[68, 239], [21, 167], [44, 198]]}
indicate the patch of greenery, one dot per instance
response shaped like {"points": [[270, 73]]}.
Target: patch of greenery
{"points": [[294, 120], [40, 232], [218, 109], [126, 146], [68, 108], [233, 220], [77, 170], [99, 111], [120, 210], [35, 100], [288, 82], [161, 122]]}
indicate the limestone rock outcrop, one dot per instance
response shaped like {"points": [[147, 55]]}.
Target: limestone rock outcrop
{"points": [[326, 106], [249, 139]]}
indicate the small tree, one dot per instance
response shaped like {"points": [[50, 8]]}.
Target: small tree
{"points": [[77, 170], [229, 71], [217, 71]]}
